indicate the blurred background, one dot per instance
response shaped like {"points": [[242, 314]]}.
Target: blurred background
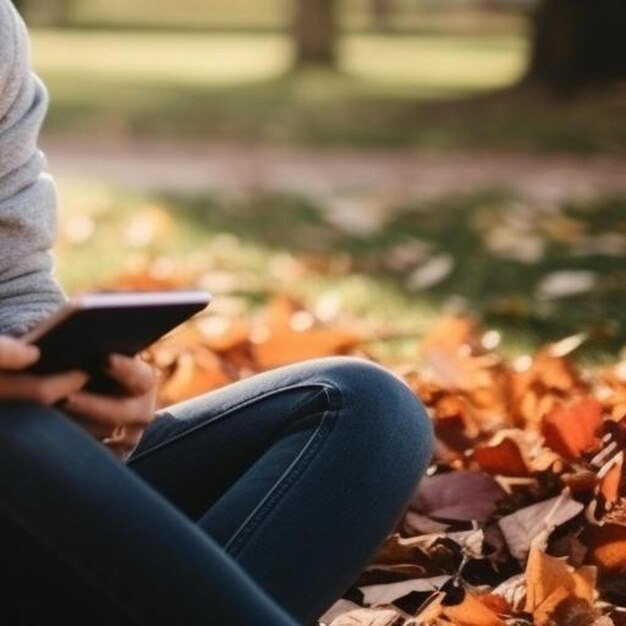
{"points": [[386, 160]]}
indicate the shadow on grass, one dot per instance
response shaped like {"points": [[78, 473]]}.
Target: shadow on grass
{"points": [[335, 109], [534, 271]]}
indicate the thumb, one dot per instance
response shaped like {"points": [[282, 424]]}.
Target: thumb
{"points": [[15, 354]]}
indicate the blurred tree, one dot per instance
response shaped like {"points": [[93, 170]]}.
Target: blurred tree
{"points": [[381, 14], [576, 42], [315, 32], [45, 12]]}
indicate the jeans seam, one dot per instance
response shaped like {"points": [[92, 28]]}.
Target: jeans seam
{"points": [[86, 577], [248, 401], [280, 487]]}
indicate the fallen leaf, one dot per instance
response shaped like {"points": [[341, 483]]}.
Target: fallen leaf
{"points": [[388, 594], [566, 283], [458, 496], [550, 581], [431, 273], [607, 547], [194, 373], [277, 342], [369, 617], [503, 458], [525, 525], [339, 608], [471, 612], [570, 430]]}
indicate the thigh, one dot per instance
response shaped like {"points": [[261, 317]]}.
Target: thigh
{"points": [[196, 450], [73, 519]]}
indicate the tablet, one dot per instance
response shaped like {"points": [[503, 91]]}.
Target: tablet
{"points": [[88, 328]]}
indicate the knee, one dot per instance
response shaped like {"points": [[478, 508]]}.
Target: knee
{"points": [[379, 406]]}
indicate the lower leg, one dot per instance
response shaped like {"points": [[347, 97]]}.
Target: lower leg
{"points": [[82, 512]]}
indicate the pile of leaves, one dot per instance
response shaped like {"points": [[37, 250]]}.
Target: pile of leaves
{"points": [[521, 518]]}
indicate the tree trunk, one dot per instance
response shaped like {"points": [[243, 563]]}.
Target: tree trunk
{"points": [[45, 12], [577, 42], [315, 32], [381, 14]]}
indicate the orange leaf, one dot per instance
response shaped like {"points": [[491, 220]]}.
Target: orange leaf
{"points": [[504, 458], [222, 334], [571, 430], [288, 347], [450, 335], [607, 546], [550, 580], [287, 338], [195, 372], [472, 612]]}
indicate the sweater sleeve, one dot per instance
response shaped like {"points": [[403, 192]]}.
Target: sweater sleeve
{"points": [[28, 289]]}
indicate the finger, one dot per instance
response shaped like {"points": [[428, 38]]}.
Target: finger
{"points": [[96, 429], [15, 354], [109, 410], [137, 376], [46, 390], [126, 434], [122, 448], [124, 441]]}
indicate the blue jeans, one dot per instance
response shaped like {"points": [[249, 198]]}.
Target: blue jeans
{"points": [[255, 505]]}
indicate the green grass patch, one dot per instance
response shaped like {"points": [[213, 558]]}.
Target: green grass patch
{"points": [[535, 273]]}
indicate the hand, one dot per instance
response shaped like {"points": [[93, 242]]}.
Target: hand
{"points": [[118, 421], [16, 356]]}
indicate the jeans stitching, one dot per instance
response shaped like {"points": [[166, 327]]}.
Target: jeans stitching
{"points": [[261, 396], [278, 490]]}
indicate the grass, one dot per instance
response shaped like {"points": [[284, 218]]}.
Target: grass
{"points": [[244, 15], [487, 253], [436, 92]]}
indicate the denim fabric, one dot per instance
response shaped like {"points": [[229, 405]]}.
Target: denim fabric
{"points": [[256, 504]]}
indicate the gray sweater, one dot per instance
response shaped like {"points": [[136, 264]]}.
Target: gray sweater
{"points": [[28, 290]]}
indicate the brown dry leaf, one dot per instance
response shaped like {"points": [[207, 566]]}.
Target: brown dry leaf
{"points": [[581, 481], [487, 413], [550, 581], [432, 554], [570, 430]]}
